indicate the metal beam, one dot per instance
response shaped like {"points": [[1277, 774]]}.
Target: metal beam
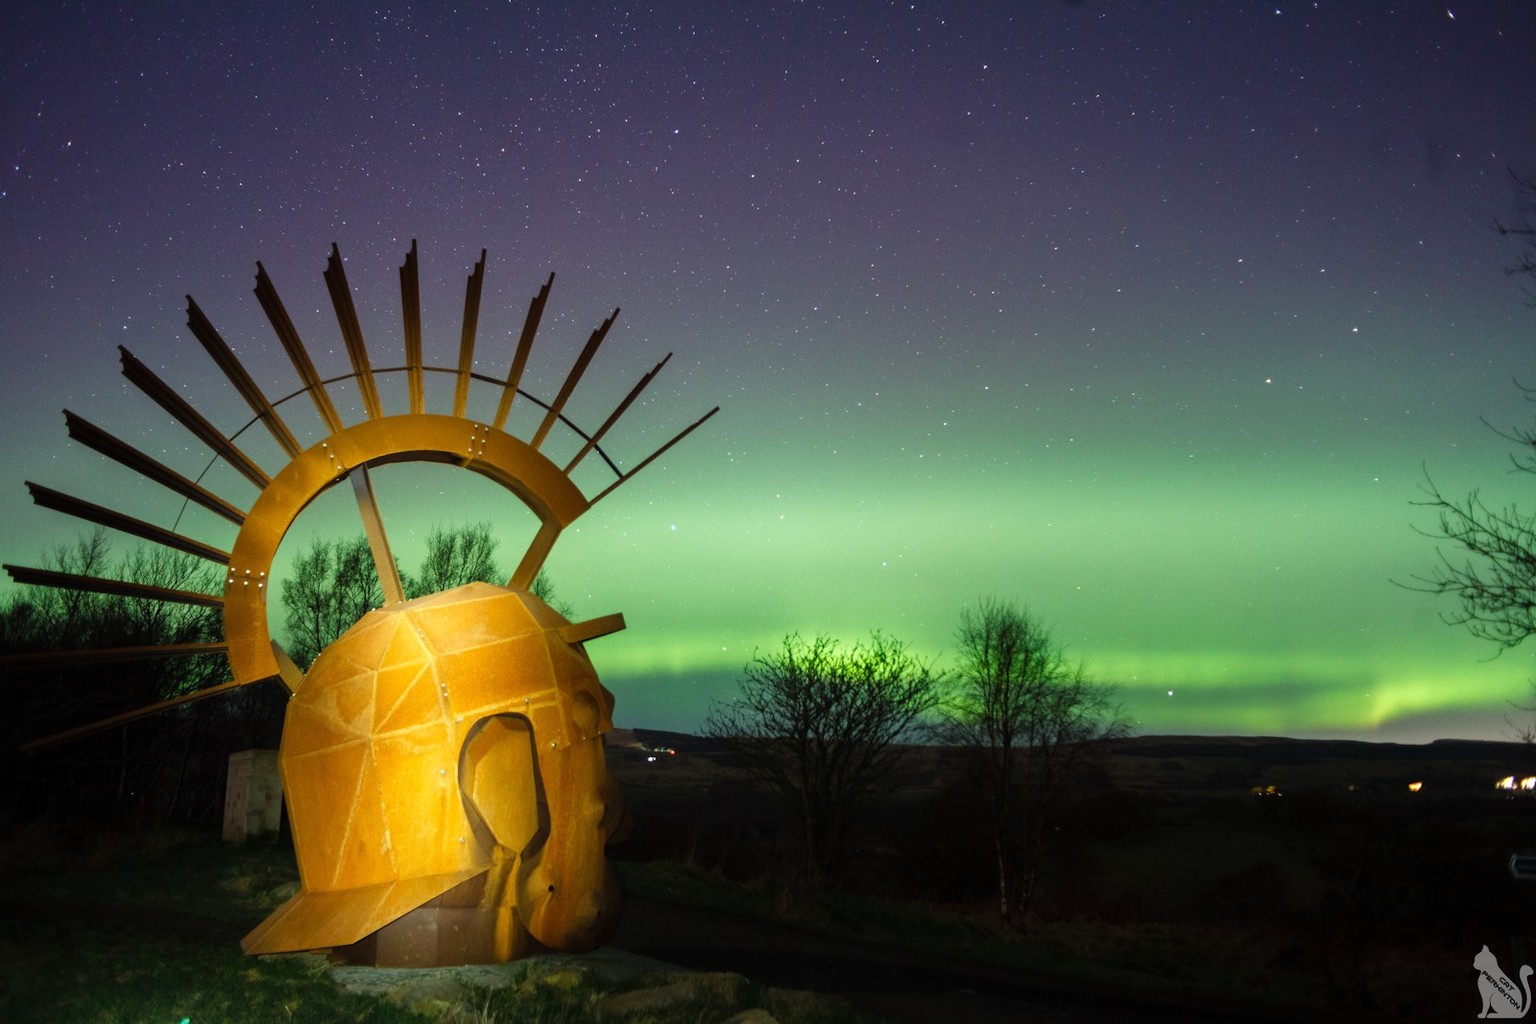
{"points": [[533, 558], [467, 336], [587, 352], [294, 346], [222, 354], [93, 436], [378, 543], [410, 306], [161, 393], [61, 502], [351, 331], [137, 713], [520, 359], [95, 655], [99, 585]]}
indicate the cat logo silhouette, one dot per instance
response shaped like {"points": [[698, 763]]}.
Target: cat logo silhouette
{"points": [[1501, 998]]}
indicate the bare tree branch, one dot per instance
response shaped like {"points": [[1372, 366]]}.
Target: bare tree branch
{"points": [[819, 726]]}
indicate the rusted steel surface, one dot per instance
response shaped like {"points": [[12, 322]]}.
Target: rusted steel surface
{"points": [[450, 740], [443, 760]]}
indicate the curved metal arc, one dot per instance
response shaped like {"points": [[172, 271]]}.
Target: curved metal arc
{"points": [[424, 437], [484, 378]]}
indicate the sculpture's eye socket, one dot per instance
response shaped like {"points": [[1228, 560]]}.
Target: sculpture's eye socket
{"points": [[585, 714]]}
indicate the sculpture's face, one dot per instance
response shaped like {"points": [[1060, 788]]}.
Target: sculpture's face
{"points": [[438, 741]]}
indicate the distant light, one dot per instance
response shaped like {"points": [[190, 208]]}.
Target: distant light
{"points": [[1414, 787], [1170, 693], [1507, 782]]}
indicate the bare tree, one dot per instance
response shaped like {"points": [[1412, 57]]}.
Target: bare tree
{"points": [[1493, 579], [818, 726], [1029, 718], [465, 554], [150, 767], [333, 585]]}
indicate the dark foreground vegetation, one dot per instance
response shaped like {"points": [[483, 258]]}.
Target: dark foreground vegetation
{"points": [[142, 927], [1303, 879], [1275, 879]]}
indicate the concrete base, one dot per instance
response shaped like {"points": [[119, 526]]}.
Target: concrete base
{"points": [[253, 795]]}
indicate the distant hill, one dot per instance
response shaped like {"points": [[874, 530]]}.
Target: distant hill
{"points": [[1461, 766], [1231, 764]]}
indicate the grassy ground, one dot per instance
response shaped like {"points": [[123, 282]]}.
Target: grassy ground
{"points": [[144, 929], [118, 928], [1286, 972]]}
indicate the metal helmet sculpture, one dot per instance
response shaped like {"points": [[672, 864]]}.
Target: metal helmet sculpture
{"points": [[443, 759]]}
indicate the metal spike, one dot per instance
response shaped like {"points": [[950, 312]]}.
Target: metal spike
{"points": [[95, 655], [613, 417], [467, 337], [378, 543], [61, 502], [146, 381], [294, 346], [571, 379], [410, 306], [351, 332], [94, 437], [225, 357], [137, 713], [520, 359], [100, 585], [653, 456], [533, 558]]}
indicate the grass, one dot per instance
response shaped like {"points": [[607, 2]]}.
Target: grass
{"points": [[145, 929], [110, 928], [1210, 967]]}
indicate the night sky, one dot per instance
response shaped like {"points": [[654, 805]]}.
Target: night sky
{"points": [[1151, 317]]}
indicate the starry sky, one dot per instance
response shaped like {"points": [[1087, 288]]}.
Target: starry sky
{"points": [[1151, 317]]}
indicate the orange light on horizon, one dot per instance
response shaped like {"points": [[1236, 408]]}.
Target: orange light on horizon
{"points": [[1414, 787]]}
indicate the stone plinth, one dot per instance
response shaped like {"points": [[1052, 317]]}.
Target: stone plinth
{"points": [[253, 796]]}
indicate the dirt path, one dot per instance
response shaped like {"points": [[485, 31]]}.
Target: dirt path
{"points": [[890, 984]]}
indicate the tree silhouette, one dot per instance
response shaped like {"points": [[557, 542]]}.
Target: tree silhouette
{"points": [[818, 726], [1494, 580], [1028, 718], [334, 583]]}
